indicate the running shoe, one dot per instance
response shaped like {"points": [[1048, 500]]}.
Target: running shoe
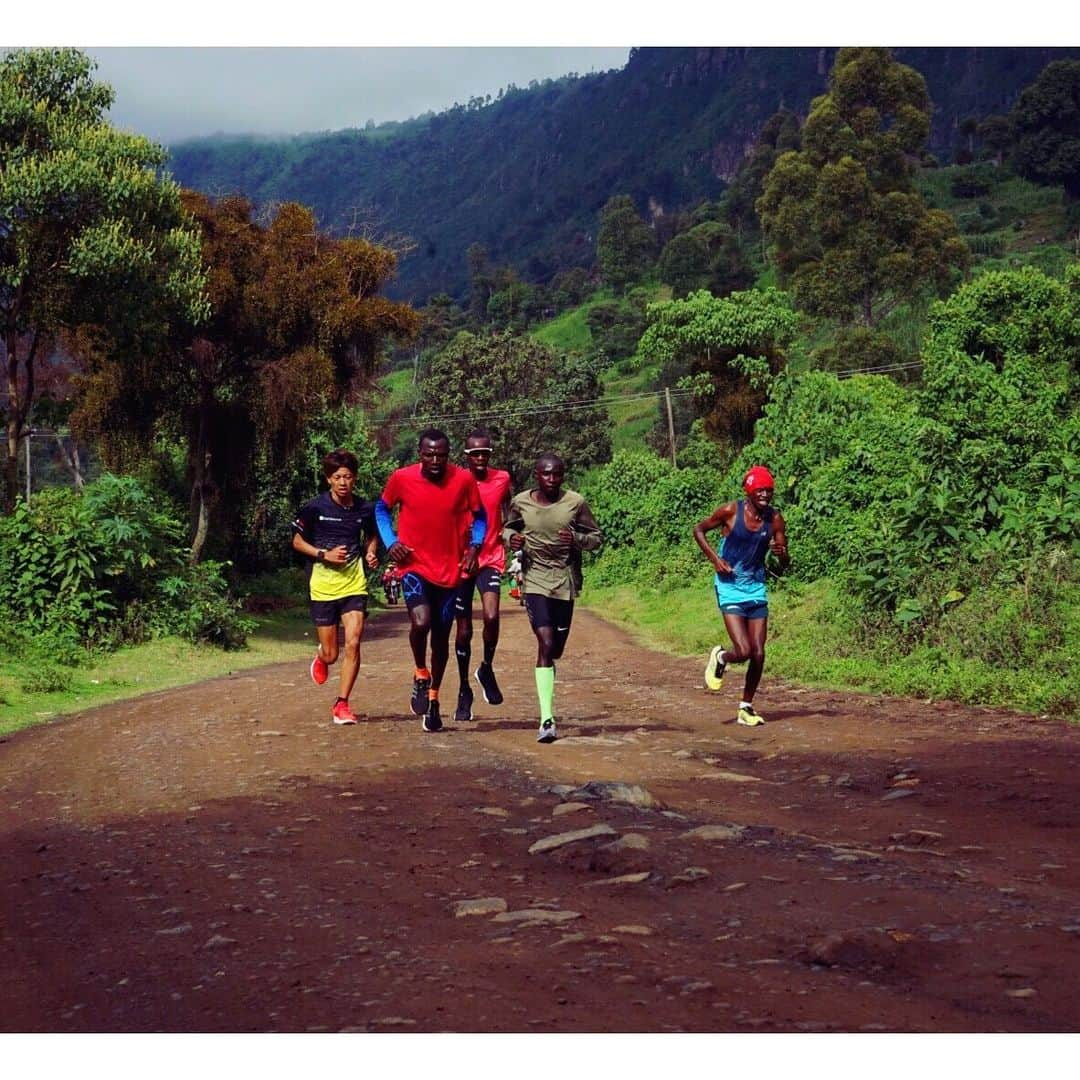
{"points": [[418, 701], [547, 732], [432, 719], [320, 672], [342, 714], [485, 676], [714, 669], [464, 705], [748, 718]]}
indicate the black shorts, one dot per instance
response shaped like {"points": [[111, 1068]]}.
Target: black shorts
{"points": [[487, 579], [547, 611], [329, 612], [440, 598]]}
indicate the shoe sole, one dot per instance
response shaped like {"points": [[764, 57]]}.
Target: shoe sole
{"points": [[340, 722], [461, 717], [546, 737], [496, 699], [311, 672], [430, 730], [712, 682], [749, 723]]}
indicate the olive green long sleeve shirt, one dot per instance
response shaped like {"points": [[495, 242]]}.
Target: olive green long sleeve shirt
{"points": [[552, 567]]}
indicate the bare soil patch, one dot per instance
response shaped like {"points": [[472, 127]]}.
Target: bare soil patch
{"points": [[221, 858]]}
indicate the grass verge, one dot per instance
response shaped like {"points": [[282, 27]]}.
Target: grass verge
{"points": [[809, 644], [281, 637]]}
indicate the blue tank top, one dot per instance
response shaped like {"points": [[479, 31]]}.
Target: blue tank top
{"points": [[744, 551]]}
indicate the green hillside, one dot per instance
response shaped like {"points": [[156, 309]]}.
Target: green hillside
{"points": [[526, 173]]}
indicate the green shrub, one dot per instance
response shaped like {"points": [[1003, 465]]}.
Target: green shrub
{"points": [[102, 568], [43, 679]]}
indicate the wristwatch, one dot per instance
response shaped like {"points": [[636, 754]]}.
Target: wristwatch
{"points": [[320, 555]]}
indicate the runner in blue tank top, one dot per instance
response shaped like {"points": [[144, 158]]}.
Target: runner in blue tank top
{"points": [[751, 527]]}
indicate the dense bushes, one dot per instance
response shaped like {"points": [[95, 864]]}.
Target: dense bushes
{"points": [[105, 568], [646, 509], [945, 519]]}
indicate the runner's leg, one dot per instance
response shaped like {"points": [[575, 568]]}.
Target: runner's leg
{"points": [[328, 643], [463, 637], [756, 633], [353, 621], [737, 627], [490, 603]]}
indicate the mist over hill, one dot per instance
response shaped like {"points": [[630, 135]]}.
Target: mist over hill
{"points": [[526, 171]]}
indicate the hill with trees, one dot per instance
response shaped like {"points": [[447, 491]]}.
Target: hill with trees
{"points": [[526, 172]]}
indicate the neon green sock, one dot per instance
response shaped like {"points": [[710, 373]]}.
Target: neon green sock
{"points": [[545, 689]]}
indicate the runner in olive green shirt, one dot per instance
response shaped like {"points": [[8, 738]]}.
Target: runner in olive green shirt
{"points": [[551, 527]]}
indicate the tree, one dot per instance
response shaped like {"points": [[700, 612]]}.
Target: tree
{"points": [[846, 228], [625, 246], [995, 134], [707, 256], [724, 349], [779, 134], [532, 398], [89, 231], [297, 324], [1046, 123]]}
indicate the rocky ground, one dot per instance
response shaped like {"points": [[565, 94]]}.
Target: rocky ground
{"points": [[221, 858]]}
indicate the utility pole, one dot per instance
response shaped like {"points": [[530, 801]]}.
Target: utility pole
{"points": [[29, 432], [670, 423]]}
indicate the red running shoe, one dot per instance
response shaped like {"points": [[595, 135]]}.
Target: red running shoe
{"points": [[319, 671], [342, 714]]}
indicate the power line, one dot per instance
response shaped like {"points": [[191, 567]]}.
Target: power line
{"points": [[534, 410], [600, 402]]}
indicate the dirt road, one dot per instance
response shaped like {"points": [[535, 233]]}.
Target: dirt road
{"points": [[222, 858]]}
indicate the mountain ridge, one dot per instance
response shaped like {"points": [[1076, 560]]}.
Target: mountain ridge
{"points": [[526, 173]]}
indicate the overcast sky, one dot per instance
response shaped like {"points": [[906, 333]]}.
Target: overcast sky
{"points": [[290, 66], [173, 93]]}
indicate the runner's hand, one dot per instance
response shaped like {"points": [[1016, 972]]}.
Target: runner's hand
{"points": [[517, 541], [338, 556], [398, 553], [468, 561]]}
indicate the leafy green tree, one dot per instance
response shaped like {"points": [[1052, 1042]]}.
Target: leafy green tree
{"points": [[481, 284], [1046, 122], [1001, 376], [297, 323], [707, 256], [615, 327], [725, 349], [90, 233], [513, 305], [532, 398], [569, 288], [847, 230], [779, 134], [995, 135], [625, 245]]}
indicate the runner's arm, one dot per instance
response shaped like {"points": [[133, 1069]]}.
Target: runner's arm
{"points": [[778, 541], [586, 532], [396, 551], [721, 518]]}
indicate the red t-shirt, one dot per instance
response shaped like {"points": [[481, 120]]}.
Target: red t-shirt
{"points": [[429, 519], [494, 491]]}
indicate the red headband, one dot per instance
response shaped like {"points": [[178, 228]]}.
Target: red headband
{"points": [[758, 477]]}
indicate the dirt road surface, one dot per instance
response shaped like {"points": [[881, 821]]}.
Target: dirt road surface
{"points": [[221, 858]]}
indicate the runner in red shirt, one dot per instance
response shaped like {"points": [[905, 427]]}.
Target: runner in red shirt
{"points": [[433, 496], [494, 485]]}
